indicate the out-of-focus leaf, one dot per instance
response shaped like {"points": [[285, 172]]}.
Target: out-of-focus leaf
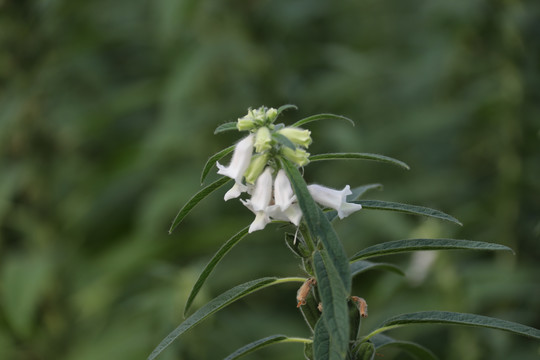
{"points": [[361, 266], [212, 264], [217, 304], [321, 117], [406, 208], [418, 351], [212, 161], [399, 246], [269, 340], [453, 318], [196, 199], [335, 311], [359, 156], [24, 280], [226, 127]]}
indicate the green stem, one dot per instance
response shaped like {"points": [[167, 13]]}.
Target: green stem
{"points": [[378, 331]]}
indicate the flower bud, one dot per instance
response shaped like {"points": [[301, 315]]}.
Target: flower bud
{"points": [[271, 114], [263, 139], [255, 168], [299, 156], [298, 136], [245, 123]]}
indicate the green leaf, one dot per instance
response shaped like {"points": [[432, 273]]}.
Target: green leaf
{"points": [[212, 264], [212, 161], [359, 156], [400, 246], [361, 266], [405, 208], [321, 342], [318, 224], [217, 304], [366, 351], [283, 140], [196, 199], [421, 353], [282, 108], [308, 351], [334, 303], [226, 127], [270, 340], [359, 191], [310, 311], [321, 117], [453, 318]]}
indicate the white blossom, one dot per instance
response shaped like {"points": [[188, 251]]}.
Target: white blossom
{"points": [[335, 199], [240, 160], [283, 192]]}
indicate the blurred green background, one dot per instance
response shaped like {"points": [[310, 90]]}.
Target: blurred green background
{"points": [[107, 112]]}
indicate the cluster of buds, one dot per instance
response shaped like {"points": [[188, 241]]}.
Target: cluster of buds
{"points": [[255, 168]]}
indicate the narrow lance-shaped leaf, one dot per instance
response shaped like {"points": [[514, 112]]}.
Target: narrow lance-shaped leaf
{"points": [[269, 340], [321, 117], [282, 108], [400, 246], [334, 304], [405, 208], [196, 199], [453, 318], [212, 264], [321, 341], [421, 353], [212, 161], [318, 225], [360, 266], [359, 191], [359, 156], [217, 304], [226, 127]]}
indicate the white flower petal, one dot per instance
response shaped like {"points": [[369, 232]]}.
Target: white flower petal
{"points": [[335, 199], [262, 194], [261, 219], [292, 213], [283, 192], [235, 191], [240, 159]]}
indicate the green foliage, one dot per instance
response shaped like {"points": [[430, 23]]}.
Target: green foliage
{"points": [[399, 246], [107, 113], [359, 156]]}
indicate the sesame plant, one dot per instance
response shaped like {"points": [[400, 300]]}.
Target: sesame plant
{"points": [[266, 175]]}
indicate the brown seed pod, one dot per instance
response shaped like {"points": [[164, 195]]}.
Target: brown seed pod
{"points": [[303, 292], [362, 305]]}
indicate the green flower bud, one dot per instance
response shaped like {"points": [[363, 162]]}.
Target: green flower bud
{"points": [[297, 135], [255, 168], [262, 139], [271, 114], [245, 123], [298, 156]]}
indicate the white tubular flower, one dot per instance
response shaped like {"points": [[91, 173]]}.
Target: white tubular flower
{"points": [[292, 213], [283, 192], [240, 160], [335, 199], [235, 191], [262, 194]]}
